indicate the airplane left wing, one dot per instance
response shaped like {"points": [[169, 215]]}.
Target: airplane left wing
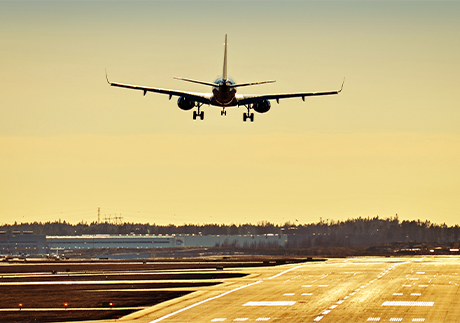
{"points": [[249, 99], [204, 98]]}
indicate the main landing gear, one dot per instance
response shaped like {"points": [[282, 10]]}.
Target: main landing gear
{"points": [[248, 115], [198, 114], [223, 112]]}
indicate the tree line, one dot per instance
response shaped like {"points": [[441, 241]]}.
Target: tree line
{"points": [[351, 232]]}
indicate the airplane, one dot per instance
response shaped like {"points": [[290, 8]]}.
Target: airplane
{"points": [[223, 95]]}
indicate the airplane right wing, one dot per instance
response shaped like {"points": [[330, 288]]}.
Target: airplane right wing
{"points": [[204, 98], [249, 99]]}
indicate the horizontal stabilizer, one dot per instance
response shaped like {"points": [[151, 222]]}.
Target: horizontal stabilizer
{"points": [[248, 84], [228, 83], [195, 81]]}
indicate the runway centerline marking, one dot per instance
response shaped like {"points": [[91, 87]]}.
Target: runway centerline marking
{"points": [[203, 301], [219, 319]]}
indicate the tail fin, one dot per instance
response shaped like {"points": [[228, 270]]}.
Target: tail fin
{"points": [[224, 73]]}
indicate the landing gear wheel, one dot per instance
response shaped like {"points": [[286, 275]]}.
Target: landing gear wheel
{"points": [[202, 115], [244, 117], [194, 115], [251, 117]]}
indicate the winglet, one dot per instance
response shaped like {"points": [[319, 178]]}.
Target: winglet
{"points": [[341, 86], [106, 77]]}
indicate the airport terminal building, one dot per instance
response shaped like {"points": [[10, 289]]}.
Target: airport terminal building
{"points": [[150, 241], [28, 243], [22, 243]]}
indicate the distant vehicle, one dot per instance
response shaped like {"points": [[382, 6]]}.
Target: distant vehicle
{"points": [[223, 95], [55, 256]]}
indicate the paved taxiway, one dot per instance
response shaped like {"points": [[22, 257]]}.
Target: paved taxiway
{"points": [[412, 289]]}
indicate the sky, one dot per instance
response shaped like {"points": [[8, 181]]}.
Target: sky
{"points": [[388, 144]]}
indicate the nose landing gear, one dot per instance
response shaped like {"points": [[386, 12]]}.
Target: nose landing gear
{"points": [[223, 112]]}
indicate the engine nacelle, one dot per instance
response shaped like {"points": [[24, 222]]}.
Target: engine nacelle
{"points": [[185, 104], [262, 106]]}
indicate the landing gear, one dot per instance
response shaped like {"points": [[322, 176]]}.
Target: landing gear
{"points": [[248, 115], [198, 113], [223, 113]]}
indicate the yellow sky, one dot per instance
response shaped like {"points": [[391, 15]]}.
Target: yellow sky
{"points": [[69, 143]]}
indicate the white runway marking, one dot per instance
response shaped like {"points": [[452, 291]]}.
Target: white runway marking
{"points": [[397, 294], [323, 285], [262, 319], [415, 294], [341, 301], [286, 271], [396, 319], [403, 303], [373, 319], [219, 319], [288, 294], [422, 285], [318, 318], [422, 319], [307, 294], [306, 285], [266, 303], [203, 301], [240, 319], [407, 285], [420, 272], [333, 306], [326, 312]]}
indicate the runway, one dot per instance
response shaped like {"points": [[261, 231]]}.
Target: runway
{"points": [[412, 289]]}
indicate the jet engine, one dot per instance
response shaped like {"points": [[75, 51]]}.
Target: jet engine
{"points": [[262, 106], [185, 104]]}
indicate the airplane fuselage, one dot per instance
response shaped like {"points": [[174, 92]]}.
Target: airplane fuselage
{"points": [[222, 94]]}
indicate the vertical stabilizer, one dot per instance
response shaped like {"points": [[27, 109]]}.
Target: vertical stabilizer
{"points": [[224, 73]]}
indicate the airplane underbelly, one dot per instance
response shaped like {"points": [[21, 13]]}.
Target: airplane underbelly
{"points": [[224, 99]]}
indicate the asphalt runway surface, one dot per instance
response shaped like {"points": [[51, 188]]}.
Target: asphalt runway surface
{"points": [[366, 289]]}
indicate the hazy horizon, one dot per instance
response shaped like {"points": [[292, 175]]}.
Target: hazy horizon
{"points": [[388, 144]]}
